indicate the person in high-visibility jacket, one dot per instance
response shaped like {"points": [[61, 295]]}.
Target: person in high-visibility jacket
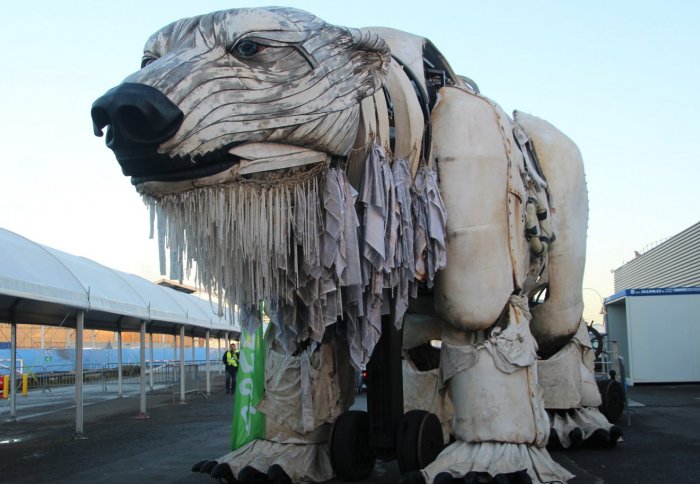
{"points": [[231, 362]]}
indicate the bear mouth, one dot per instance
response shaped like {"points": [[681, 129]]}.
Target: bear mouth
{"points": [[234, 162], [164, 168]]}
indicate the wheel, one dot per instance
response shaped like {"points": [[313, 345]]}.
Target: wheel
{"points": [[419, 440], [613, 396], [596, 341], [351, 456]]}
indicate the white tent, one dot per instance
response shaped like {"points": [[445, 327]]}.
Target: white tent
{"points": [[41, 285]]}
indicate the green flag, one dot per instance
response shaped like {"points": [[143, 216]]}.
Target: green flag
{"points": [[248, 423]]}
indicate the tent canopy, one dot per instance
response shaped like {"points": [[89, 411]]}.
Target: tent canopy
{"points": [[42, 285]]}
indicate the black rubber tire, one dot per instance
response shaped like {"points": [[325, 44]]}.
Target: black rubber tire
{"points": [[613, 396], [351, 456], [419, 440]]}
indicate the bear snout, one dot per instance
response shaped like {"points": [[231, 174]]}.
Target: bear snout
{"points": [[138, 119]]}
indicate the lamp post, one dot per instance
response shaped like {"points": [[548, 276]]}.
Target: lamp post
{"points": [[603, 310]]}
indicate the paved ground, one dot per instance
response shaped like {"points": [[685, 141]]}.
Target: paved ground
{"points": [[661, 446]]}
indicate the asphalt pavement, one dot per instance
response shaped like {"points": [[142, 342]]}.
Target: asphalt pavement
{"points": [[661, 445]]}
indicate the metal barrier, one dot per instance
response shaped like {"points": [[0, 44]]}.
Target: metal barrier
{"points": [[194, 377], [5, 376], [164, 373], [608, 359], [6, 364]]}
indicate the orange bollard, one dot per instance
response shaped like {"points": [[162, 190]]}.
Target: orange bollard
{"points": [[6, 386], [25, 384]]}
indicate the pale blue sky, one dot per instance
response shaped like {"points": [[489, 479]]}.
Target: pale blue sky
{"points": [[620, 78]]}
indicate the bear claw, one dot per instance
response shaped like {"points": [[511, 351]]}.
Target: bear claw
{"points": [[413, 477], [223, 473], [208, 466], [277, 475], [198, 465], [250, 475]]}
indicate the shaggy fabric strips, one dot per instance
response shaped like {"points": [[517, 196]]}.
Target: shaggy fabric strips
{"points": [[313, 248]]}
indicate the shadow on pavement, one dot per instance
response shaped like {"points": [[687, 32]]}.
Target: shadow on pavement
{"points": [[662, 444]]}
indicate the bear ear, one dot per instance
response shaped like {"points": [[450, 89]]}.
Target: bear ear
{"points": [[371, 57]]}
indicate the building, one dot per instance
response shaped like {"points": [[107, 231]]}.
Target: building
{"points": [[654, 314]]}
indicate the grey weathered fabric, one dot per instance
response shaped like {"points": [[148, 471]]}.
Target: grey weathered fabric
{"points": [[405, 255], [431, 217], [310, 246]]}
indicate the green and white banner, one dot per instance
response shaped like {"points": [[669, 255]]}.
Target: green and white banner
{"points": [[248, 423]]}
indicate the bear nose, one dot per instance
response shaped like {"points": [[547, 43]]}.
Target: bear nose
{"points": [[138, 118]]}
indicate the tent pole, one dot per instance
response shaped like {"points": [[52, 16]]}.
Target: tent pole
{"points": [[218, 353], [13, 359], [208, 369], [174, 354], [182, 363], [13, 370], [119, 362], [79, 323], [142, 376], [150, 374]]}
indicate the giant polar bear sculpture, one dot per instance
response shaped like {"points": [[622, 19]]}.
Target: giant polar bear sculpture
{"points": [[348, 177]]}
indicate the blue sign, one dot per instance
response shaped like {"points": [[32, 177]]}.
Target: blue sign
{"points": [[663, 291]]}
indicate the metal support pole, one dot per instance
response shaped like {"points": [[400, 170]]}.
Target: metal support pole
{"points": [[218, 354], [182, 364], [194, 352], [227, 344], [171, 367], [150, 373], [142, 376], [79, 323], [120, 390], [385, 389], [208, 369], [13, 370]]}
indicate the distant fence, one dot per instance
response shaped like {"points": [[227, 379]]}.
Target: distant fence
{"points": [[161, 373], [63, 359]]}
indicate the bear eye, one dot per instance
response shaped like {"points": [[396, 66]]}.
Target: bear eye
{"points": [[147, 60], [247, 48]]}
